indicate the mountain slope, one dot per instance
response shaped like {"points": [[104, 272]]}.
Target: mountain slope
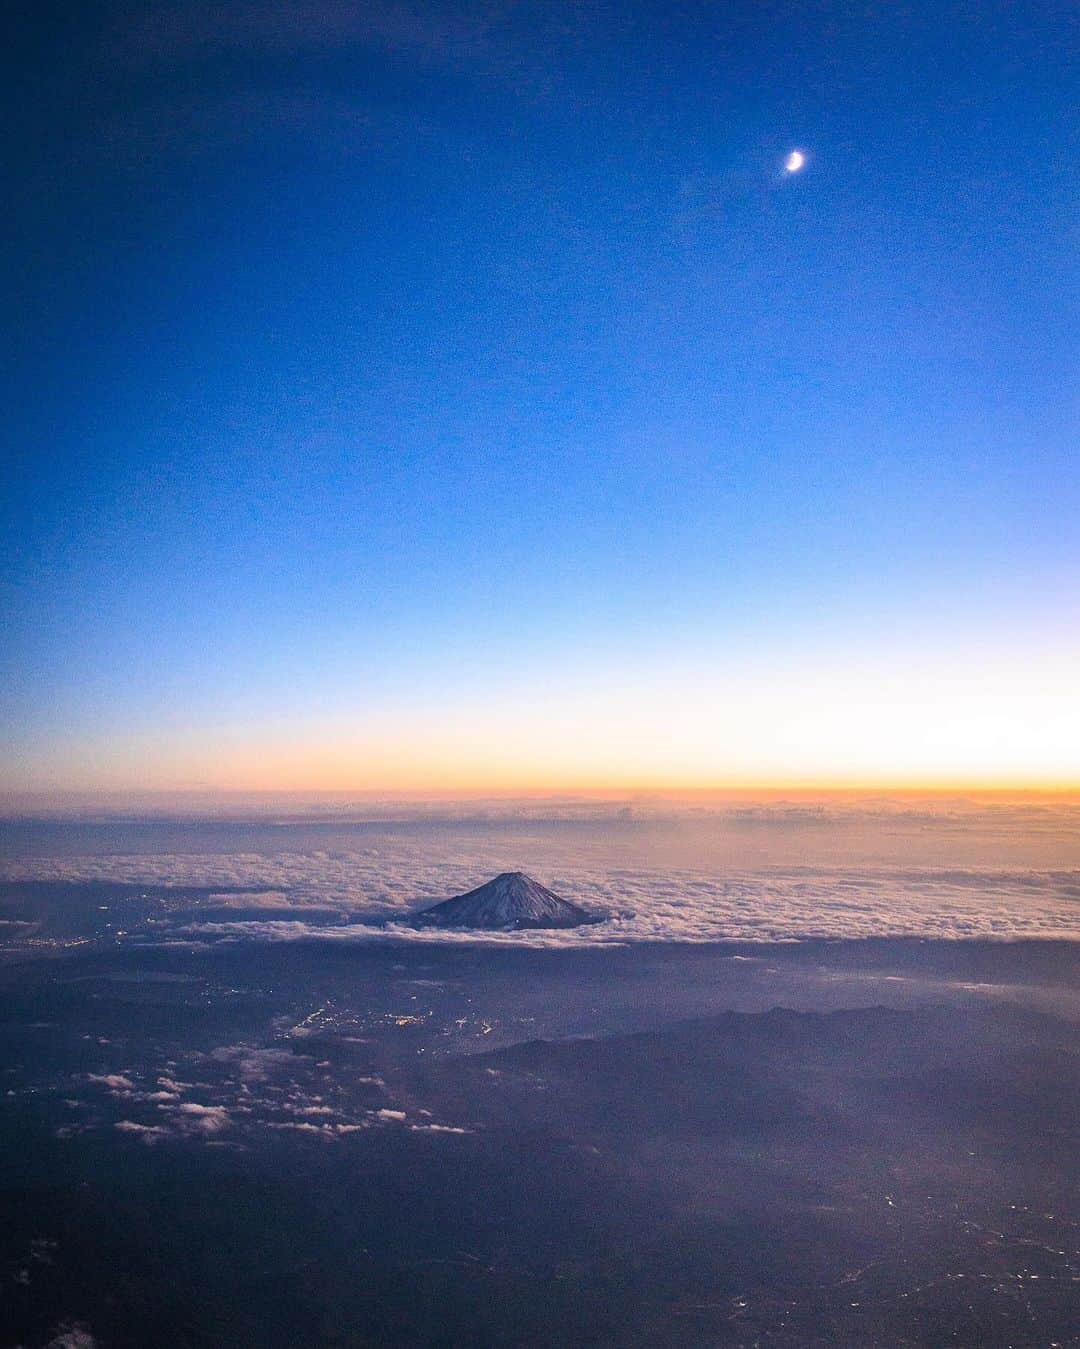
{"points": [[510, 900]]}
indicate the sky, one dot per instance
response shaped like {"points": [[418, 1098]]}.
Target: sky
{"points": [[466, 397]]}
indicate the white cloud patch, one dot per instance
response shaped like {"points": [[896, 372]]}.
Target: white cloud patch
{"points": [[149, 1133], [254, 1064], [250, 899], [207, 1119]]}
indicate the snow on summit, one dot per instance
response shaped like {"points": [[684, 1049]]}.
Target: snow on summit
{"points": [[510, 900]]}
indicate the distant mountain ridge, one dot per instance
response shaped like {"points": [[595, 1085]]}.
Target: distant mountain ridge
{"points": [[509, 901]]}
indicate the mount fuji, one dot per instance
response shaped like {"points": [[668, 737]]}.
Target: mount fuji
{"points": [[510, 900]]}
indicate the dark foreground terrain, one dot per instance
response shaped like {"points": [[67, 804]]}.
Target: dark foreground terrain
{"points": [[289, 1144]]}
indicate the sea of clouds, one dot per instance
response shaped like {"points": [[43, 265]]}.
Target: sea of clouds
{"points": [[667, 886]]}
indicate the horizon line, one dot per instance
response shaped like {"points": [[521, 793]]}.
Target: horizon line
{"points": [[554, 791]]}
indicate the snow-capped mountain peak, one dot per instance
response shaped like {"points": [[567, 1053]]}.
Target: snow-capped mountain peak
{"points": [[510, 900]]}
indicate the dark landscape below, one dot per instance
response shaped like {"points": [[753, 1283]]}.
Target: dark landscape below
{"points": [[303, 1143]]}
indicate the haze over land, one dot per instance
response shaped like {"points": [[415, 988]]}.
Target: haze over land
{"points": [[207, 1137]]}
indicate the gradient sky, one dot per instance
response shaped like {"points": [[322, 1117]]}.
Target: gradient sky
{"points": [[438, 396]]}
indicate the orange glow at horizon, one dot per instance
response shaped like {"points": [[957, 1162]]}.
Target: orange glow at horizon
{"points": [[871, 726], [357, 765]]}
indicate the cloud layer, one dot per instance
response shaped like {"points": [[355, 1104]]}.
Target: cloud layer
{"points": [[365, 891]]}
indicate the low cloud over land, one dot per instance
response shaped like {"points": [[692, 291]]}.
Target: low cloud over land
{"points": [[773, 871]]}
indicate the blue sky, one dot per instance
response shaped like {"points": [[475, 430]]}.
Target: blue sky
{"points": [[379, 370]]}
